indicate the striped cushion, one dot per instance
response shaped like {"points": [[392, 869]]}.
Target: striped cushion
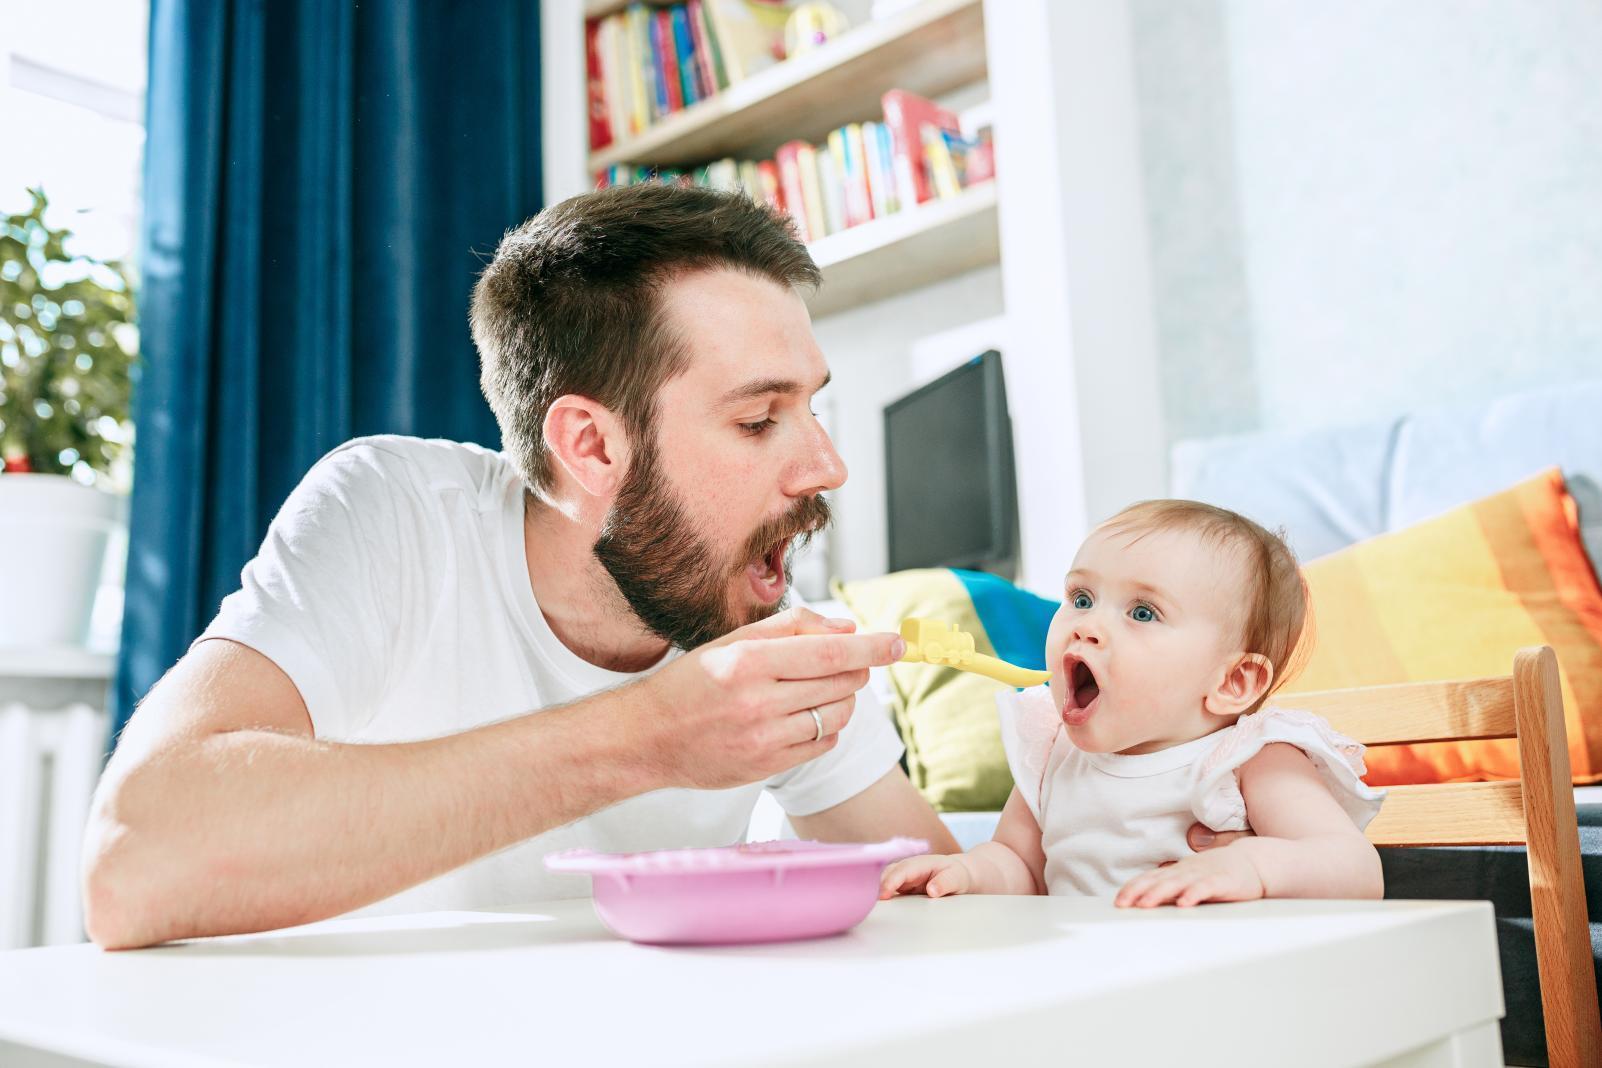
{"points": [[947, 718], [1455, 597]]}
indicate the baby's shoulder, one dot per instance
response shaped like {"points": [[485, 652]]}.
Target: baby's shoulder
{"points": [[1307, 731], [1216, 797]]}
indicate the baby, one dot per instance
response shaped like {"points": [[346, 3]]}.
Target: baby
{"points": [[1178, 621]]}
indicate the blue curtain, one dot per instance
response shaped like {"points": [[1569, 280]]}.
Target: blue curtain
{"points": [[323, 180]]}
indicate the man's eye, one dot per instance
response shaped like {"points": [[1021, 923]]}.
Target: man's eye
{"points": [[1143, 613], [1082, 600], [760, 427]]}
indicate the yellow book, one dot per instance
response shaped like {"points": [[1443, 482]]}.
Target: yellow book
{"points": [[639, 61], [806, 159], [751, 181], [747, 35], [942, 170], [858, 194]]}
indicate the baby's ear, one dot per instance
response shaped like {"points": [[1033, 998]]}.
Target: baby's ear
{"points": [[1245, 679]]}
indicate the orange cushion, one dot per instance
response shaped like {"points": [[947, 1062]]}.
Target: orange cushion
{"points": [[1455, 597]]}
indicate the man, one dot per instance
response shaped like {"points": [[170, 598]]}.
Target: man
{"points": [[445, 662]]}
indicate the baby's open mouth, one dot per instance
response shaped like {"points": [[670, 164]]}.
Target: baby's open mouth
{"points": [[1083, 690]]}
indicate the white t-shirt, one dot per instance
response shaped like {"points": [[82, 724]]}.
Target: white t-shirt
{"points": [[393, 590]]}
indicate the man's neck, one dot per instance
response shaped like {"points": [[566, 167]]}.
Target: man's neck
{"points": [[579, 600]]}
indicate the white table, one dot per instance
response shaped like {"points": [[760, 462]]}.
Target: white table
{"points": [[973, 981]]}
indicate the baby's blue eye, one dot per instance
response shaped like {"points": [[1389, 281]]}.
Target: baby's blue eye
{"points": [[1081, 600], [1142, 613]]}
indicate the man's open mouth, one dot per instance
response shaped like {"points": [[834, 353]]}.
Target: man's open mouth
{"points": [[1083, 690], [767, 572]]}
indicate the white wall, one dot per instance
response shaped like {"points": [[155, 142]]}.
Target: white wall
{"points": [[1358, 208], [870, 352]]}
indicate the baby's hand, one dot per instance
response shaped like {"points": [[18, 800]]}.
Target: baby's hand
{"points": [[1217, 875], [934, 875]]}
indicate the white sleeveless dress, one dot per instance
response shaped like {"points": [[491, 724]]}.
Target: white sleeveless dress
{"points": [[1106, 818]]}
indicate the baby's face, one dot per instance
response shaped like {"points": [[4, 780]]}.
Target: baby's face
{"points": [[1148, 625]]}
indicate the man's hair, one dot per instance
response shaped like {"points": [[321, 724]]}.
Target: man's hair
{"points": [[571, 302], [1277, 613]]}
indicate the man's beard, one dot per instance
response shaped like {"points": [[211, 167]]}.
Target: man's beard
{"points": [[671, 578]]}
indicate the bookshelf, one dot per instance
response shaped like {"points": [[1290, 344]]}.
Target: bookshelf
{"points": [[1062, 228], [931, 48]]}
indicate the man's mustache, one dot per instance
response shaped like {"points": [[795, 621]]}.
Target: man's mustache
{"points": [[808, 516]]}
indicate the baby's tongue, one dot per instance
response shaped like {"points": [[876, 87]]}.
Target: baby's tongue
{"points": [[1086, 693]]}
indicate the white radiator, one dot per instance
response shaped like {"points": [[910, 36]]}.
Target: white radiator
{"points": [[50, 759]]}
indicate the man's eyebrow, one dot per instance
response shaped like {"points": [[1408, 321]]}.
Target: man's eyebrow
{"points": [[763, 387]]}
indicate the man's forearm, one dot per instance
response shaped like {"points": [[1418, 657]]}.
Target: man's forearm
{"points": [[254, 830]]}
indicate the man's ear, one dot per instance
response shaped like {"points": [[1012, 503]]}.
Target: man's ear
{"points": [[1245, 679], [587, 441]]}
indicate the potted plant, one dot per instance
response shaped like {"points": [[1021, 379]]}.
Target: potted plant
{"points": [[67, 359]]}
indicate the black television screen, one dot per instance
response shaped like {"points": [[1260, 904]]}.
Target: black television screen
{"points": [[951, 494]]}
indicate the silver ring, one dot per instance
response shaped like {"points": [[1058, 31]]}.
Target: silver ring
{"points": [[818, 719]]}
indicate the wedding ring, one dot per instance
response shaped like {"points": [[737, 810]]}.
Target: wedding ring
{"points": [[818, 719]]}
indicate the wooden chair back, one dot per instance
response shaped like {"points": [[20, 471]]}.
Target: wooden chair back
{"points": [[1537, 811]]}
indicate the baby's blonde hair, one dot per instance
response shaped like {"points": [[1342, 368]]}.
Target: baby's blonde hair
{"points": [[1278, 615]]}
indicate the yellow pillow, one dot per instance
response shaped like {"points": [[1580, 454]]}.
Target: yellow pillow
{"points": [[947, 718], [1455, 597]]}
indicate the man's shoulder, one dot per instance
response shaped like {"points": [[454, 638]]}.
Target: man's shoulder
{"points": [[425, 465]]}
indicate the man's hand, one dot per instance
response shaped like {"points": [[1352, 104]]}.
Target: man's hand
{"points": [[739, 710], [1201, 838], [934, 875]]}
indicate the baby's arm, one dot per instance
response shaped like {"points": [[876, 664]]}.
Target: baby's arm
{"points": [[1305, 845], [1012, 862]]}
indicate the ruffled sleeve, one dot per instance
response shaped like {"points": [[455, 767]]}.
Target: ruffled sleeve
{"points": [[1029, 729], [1216, 798]]}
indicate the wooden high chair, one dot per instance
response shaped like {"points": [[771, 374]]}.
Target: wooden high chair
{"points": [[1537, 811]]}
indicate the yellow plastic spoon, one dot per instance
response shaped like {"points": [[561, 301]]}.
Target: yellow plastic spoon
{"points": [[934, 641]]}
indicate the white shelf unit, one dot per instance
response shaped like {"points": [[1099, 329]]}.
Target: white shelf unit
{"points": [[930, 48], [1064, 219], [907, 250]]}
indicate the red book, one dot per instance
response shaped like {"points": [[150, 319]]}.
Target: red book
{"points": [[772, 188], [667, 54], [600, 121], [706, 77], [906, 114], [790, 186]]}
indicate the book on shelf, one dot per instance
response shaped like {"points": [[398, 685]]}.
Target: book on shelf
{"points": [[788, 160], [906, 114], [859, 173], [691, 90], [602, 102], [648, 62]]}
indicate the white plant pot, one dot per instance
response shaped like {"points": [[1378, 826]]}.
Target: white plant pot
{"points": [[53, 538]]}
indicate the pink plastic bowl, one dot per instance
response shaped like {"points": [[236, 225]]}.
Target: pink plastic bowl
{"points": [[763, 892]]}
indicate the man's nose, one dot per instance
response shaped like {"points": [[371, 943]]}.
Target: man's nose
{"points": [[825, 470]]}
